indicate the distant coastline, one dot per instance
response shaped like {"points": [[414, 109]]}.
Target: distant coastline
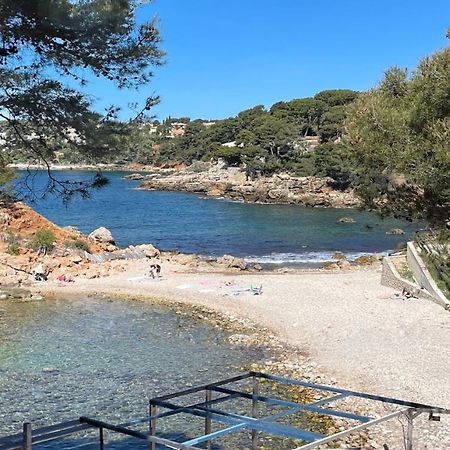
{"points": [[229, 183], [88, 167]]}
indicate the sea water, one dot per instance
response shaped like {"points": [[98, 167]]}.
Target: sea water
{"points": [[62, 359], [267, 233]]}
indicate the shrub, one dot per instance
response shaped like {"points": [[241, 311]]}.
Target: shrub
{"points": [[13, 241], [44, 238], [78, 244], [13, 249]]}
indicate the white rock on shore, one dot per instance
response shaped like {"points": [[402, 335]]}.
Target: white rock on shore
{"points": [[232, 183]]}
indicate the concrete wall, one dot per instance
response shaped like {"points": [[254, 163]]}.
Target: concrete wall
{"points": [[390, 277], [423, 276]]}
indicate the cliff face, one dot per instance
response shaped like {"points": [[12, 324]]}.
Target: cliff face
{"points": [[232, 183]]}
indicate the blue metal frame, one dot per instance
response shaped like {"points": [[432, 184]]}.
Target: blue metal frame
{"points": [[208, 410], [238, 422]]}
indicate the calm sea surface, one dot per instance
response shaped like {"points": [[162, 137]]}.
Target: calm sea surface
{"points": [[192, 224], [66, 358]]}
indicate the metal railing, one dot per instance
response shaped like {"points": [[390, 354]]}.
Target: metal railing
{"points": [[211, 412]]}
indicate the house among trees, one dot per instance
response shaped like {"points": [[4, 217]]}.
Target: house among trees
{"points": [[177, 129], [310, 142]]}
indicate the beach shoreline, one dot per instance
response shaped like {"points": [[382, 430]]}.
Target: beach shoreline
{"points": [[336, 326], [341, 328], [344, 315]]}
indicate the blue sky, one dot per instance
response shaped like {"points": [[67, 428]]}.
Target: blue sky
{"points": [[226, 56]]}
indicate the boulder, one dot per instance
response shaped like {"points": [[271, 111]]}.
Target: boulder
{"points": [[339, 256], [76, 259], [72, 229], [330, 266], [4, 218], [186, 260], [102, 236], [344, 264], [366, 260], [149, 250], [232, 262]]}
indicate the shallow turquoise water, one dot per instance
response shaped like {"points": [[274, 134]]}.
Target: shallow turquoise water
{"points": [[65, 358], [191, 224]]}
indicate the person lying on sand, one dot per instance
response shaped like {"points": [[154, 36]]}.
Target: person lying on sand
{"points": [[65, 279], [405, 295]]}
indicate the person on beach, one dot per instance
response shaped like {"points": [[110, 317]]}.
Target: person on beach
{"points": [[406, 295], [155, 271], [39, 273]]}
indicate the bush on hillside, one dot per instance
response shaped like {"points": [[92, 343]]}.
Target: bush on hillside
{"points": [[44, 238]]}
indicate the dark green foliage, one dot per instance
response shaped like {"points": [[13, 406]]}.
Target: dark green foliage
{"points": [[47, 46], [43, 239], [13, 249], [337, 97], [271, 140], [334, 161], [13, 244], [235, 156], [78, 244], [399, 136]]}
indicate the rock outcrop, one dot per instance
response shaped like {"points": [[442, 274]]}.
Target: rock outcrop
{"points": [[231, 262], [22, 222], [102, 236], [232, 183]]}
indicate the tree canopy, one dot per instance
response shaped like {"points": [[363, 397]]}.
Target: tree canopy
{"points": [[399, 135], [49, 49], [269, 140]]}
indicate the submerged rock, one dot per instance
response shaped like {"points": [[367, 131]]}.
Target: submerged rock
{"points": [[19, 294], [134, 176], [395, 231], [346, 220]]}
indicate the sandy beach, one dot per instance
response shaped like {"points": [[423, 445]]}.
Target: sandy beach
{"points": [[354, 333]]}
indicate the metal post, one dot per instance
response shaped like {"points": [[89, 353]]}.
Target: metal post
{"points": [[208, 398], [101, 438], [409, 430], [27, 436], [255, 411], [153, 409]]}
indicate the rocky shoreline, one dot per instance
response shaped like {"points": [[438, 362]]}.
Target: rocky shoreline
{"points": [[76, 256], [233, 184], [315, 311]]}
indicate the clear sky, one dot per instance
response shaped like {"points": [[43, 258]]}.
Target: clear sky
{"points": [[224, 56]]}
